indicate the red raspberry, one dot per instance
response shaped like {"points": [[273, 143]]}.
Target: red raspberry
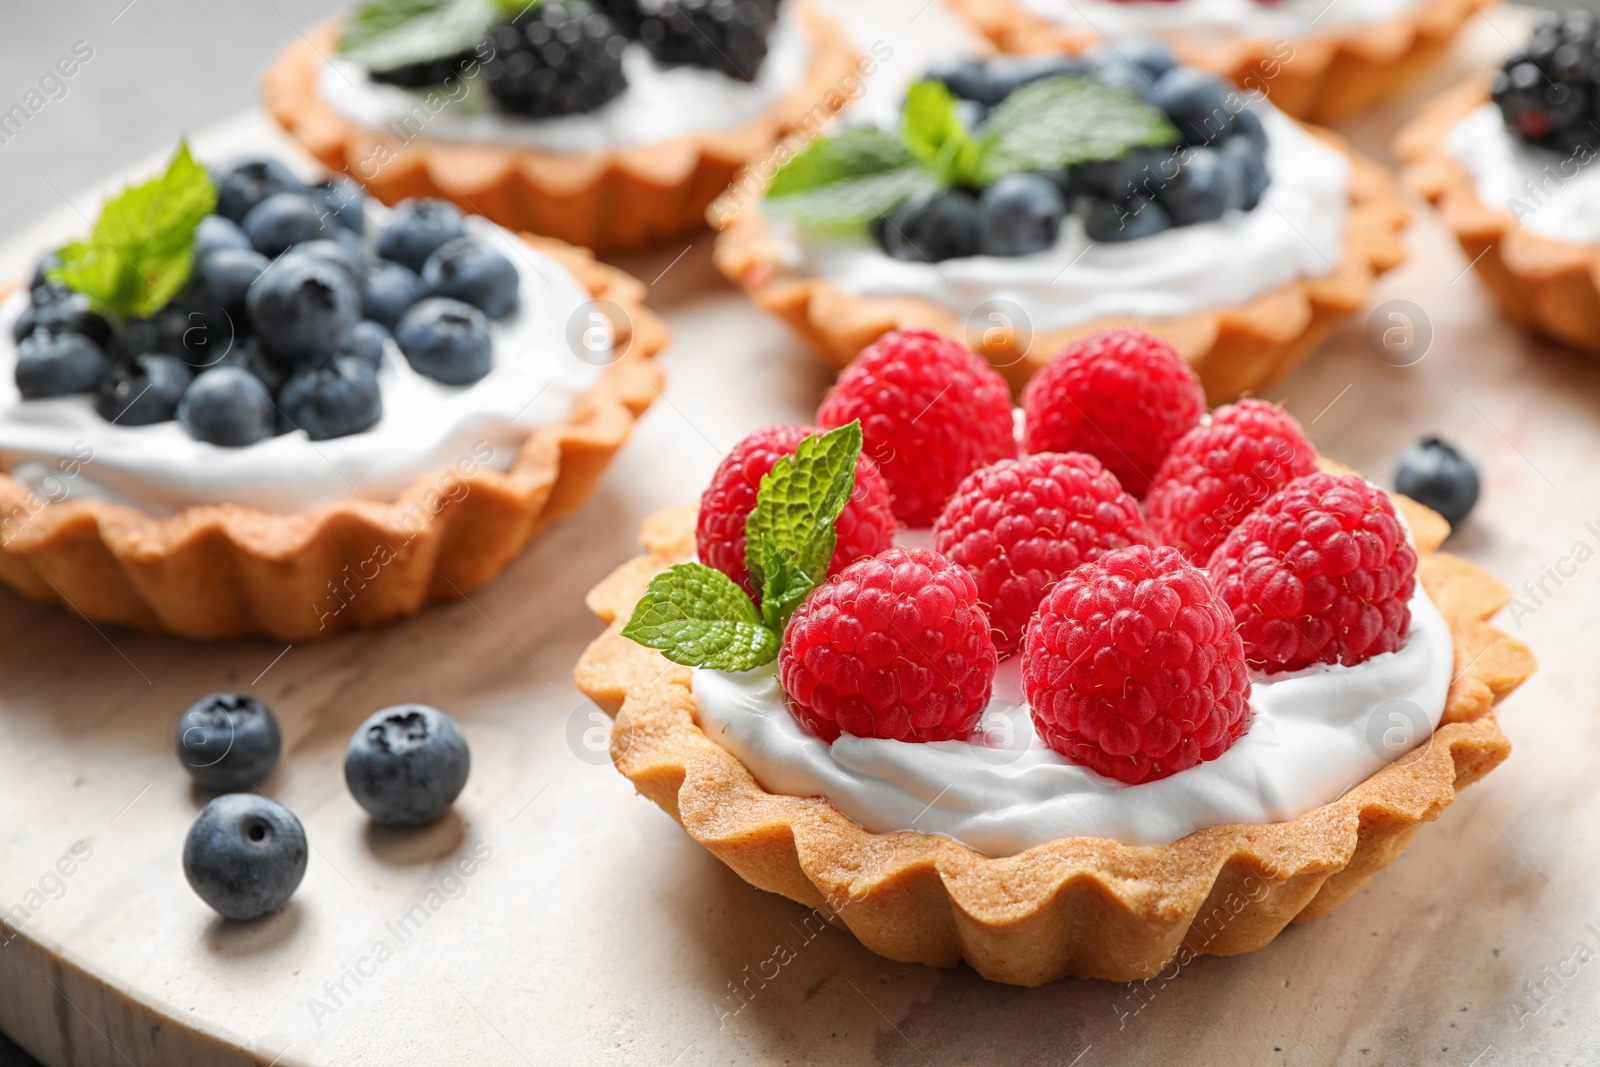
{"points": [[931, 413], [895, 646], [1020, 526], [1219, 472], [864, 528], [1122, 396], [1132, 667], [1320, 573]]}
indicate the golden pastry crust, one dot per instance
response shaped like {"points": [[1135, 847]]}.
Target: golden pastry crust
{"points": [[1235, 350], [1082, 907], [1325, 79], [219, 571], [1542, 284], [606, 201]]}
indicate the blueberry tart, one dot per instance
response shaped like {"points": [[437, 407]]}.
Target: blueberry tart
{"points": [[608, 124], [249, 402], [1027, 202], [1061, 728]]}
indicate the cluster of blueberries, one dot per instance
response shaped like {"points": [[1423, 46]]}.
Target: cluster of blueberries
{"points": [[246, 854], [1219, 164], [285, 318]]}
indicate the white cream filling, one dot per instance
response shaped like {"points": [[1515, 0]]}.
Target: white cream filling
{"points": [[1283, 19], [660, 102], [1313, 734], [1297, 231], [1553, 194], [426, 427]]}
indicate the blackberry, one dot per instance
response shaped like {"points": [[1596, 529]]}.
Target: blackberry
{"points": [[556, 58], [725, 35], [1550, 94]]}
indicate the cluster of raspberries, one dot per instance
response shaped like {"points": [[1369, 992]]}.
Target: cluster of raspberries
{"points": [[1143, 557]]}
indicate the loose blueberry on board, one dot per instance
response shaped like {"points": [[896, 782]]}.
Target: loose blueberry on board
{"points": [[282, 221], [216, 232], [224, 275], [469, 270], [334, 399], [1124, 220], [245, 856], [416, 228], [1197, 104], [558, 58], [228, 741], [388, 289], [1021, 214], [446, 340], [1207, 186], [227, 406], [250, 181], [58, 363], [946, 226], [302, 305], [143, 390], [407, 764], [343, 199], [365, 342], [1435, 473]]}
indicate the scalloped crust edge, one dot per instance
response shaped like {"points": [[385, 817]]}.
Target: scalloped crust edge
{"points": [[223, 571], [1234, 350], [1325, 79], [607, 201], [1549, 286], [1080, 907]]}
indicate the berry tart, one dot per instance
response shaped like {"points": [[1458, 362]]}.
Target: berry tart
{"points": [[1318, 61], [609, 124], [251, 404], [1507, 162], [1062, 730], [1026, 202]]}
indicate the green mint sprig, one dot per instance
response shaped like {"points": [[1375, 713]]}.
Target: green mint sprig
{"points": [[142, 247], [699, 617], [385, 35], [841, 183]]}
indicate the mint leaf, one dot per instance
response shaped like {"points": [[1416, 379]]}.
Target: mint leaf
{"points": [[935, 134], [698, 617], [142, 247], [856, 153], [385, 35], [1059, 121], [842, 183]]}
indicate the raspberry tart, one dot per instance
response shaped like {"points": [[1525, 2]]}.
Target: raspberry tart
{"points": [[609, 124], [1026, 202], [1506, 161], [1066, 731], [248, 403]]}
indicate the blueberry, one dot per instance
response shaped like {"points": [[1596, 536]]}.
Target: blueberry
{"points": [[407, 764], [55, 307], [1138, 171], [446, 340], [245, 856], [250, 181], [1115, 68], [1151, 55], [248, 356], [58, 363], [227, 406], [224, 275], [1253, 165], [366, 343], [1021, 214], [41, 273], [1434, 473], [343, 199], [218, 232], [1200, 105], [350, 260], [1208, 185], [195, 329], [1124, 220], [301, 306], [416, 228], [143, 390], [946, 226], [282, 221], [387, 291], [334, 399], [469, 270], [1247, 125], [1007, 74], [228, 741], [967, 79]]}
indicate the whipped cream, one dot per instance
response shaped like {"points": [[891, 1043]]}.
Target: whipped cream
{"points": [[1297, 231], [660, 102], [1553, 194], [426, 427], [1313, 734], [1291, 19]]}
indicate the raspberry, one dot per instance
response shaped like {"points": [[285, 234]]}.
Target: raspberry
{"points": [[1122, 396], [1219, 472], [864, 528], [1020, 526], [931, 413], [895, 646], [1132, 667], [1320, 573]]}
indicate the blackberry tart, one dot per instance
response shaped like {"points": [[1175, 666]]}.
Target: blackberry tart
{"points": [[1507, 161], [247, 403], [608, 124], [1024, 202]]}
